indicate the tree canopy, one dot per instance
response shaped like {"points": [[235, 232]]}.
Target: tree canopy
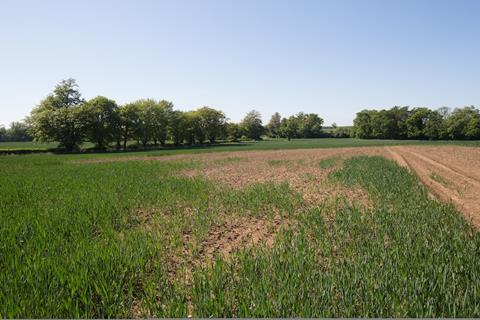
{"points": [[65, 117], [252, 125], [57, 117], [418, 123]]}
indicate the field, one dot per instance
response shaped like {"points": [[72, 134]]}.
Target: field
{"points": [[26, 146], [272, 144], [379, 230]]}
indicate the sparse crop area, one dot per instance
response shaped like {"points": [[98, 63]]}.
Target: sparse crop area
{"points": [[334, 232]]}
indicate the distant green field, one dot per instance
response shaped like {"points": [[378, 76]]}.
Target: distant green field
{"points": [[273, 144], [27, 145], [279, 144]]}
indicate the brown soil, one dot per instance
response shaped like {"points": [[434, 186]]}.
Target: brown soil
{"points": [[222, 240], [450, 173], [294, 154], [242, 233], [301, 169]]}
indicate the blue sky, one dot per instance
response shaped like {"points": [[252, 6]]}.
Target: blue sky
{"points": [[333, 58]]}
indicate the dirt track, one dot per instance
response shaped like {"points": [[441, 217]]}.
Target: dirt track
{"points": [[450, 173]]}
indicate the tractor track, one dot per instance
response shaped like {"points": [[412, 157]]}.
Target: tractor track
{"points": [[444, 182]]}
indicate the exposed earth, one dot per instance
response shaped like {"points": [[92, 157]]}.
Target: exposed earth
{"points": [[451, 173]]}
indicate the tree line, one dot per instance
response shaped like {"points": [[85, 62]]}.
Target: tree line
{"points": [[301, 125], [418, 123], [18, 131], [65, 117]]}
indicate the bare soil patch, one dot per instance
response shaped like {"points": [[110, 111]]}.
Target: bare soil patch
{"points": [[290, 154], [224, 239], [450, 173], [301, 169]]}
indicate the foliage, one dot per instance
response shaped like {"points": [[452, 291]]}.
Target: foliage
{"points": [[100, 119], [418, 123], [273, 127], [301, 126], [234, 131], [212, 123], [176, 127], [18, 131], [309, 125], [252, 125], [341, 132], [157, 115], [463, 123], [58, 117], [64, 117], [129, 116]]}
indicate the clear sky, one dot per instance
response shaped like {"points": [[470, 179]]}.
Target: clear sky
{"points": [[333, 58]]}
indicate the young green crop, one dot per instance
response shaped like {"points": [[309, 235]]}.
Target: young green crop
{"points": [[97, 240], [408, 257], [328, 162]]}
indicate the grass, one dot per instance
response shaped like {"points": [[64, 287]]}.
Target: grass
{"points": [[97, 240], [27, 145], [272, 144], [328, 162], [436, 177]]}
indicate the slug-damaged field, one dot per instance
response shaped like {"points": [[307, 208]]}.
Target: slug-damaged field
{"points": [[344, 232]]}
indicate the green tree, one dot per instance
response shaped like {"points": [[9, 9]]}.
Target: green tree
{"points": [[252, 125], [212, 122], [129, 117], [273, 126], [100, 118], [362, 125], [342, 132], [234, 131], [146, 124], [18, 131], [146, 120], [472, 131], [461, 123], [398, 116], [444, 112], [177, 125], [417, 122], [434, 126], [289, 127], [389, 124], [57, 117], [3, 133], [159, 114], [309, 125], [193, 128]]}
